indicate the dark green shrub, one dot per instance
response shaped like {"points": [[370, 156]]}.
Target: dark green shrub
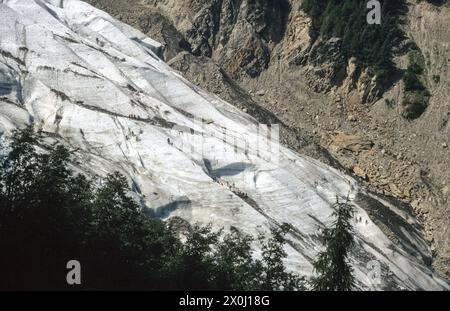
{"points": [[414, 104]]}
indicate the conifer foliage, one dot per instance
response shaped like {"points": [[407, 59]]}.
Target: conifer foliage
{"points": [[332, 266]]}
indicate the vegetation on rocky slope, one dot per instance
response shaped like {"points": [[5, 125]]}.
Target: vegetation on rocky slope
{"points": [[372, 45], [416, 94]]}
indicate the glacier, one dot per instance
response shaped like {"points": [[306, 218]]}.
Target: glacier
{"points": [[98, 86]]}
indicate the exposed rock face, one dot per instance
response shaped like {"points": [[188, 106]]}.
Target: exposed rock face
{"points": [[269, 49], [237, 34]]}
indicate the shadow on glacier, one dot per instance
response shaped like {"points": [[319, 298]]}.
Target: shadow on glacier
{"points": [[232, 169], [164, 211], [5, 89], [409, 235], [9, 86]]}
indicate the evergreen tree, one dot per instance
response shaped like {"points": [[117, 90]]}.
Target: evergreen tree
{"points": [[236, 268], [275, 275], [44, 212], [332, 266]]}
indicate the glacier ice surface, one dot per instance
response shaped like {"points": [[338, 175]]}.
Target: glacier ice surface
{"points": [[98, 86]]}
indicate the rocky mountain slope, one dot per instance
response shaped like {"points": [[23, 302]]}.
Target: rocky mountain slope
{"points": [[267, 54], [98, 86]]}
